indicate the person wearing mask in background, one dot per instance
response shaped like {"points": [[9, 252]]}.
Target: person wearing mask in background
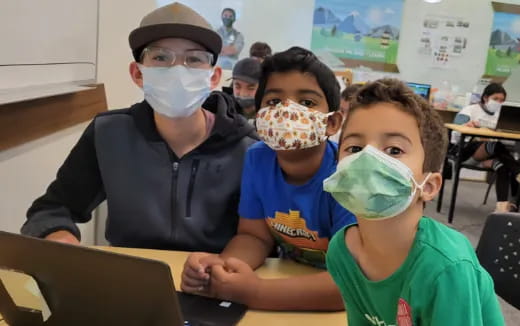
{"points": [[260, 51], [170, 166], [282, 202], [346, 97], [233, 40], [246, 74], [490, 154]]}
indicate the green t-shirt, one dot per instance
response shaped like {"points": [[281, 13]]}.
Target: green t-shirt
{"points": [[441, 283]]}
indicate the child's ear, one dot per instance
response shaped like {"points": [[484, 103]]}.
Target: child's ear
{"points": [[432, 186], [334, 123]]}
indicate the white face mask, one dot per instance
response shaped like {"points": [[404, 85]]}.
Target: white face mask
{"points": [[176, 91], [493, 106]]}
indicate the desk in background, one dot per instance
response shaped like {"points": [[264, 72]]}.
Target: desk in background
{"points": [[447, 115], [273, 268], [465, 133]]}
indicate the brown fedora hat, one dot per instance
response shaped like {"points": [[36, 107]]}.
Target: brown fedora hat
{"points": [[174, 20]]}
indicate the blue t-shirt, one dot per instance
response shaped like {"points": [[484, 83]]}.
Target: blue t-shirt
{"points": [[302, 218]]}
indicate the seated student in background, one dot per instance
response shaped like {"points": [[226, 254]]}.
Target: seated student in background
{"points": [[346, 97], [170, 166], [282, 201], [246, 74], [491, 154], [396, 267], [260, 51]]}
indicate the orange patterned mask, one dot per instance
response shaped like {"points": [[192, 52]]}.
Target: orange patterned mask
{"points": [[289, 126]]}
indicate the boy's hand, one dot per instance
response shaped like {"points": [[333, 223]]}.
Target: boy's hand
{"points": [[63, 237], [235, 281], [196, 272]]}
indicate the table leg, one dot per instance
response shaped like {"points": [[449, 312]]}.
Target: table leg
{"points": [[456, 175], [446, 162], [441, 195]]}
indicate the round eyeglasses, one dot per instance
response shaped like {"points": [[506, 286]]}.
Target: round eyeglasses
{"points": [[162, 57]]}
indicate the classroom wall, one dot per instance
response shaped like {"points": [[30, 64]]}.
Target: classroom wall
{"points": [[465, 71], [27, 170], [117, 18], [290, 23]]}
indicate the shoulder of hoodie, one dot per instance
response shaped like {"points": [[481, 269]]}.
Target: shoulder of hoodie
{"points": [[133, 116], [118, 112]]}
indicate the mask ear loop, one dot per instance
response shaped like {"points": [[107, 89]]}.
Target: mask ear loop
{"points": [[420, 186]]}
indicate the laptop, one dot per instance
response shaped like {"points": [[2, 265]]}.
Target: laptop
{"points": [[84, 286], [421, 89], [509, 119]]}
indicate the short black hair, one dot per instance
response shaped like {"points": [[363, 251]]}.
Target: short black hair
{"points": [[260, 50], [493, 88], [231, 10], [304, 61]]}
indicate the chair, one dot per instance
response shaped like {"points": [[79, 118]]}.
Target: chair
{"points": [[447, 171], [499, 253]]}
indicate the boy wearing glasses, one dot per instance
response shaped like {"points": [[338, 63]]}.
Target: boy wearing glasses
{"points": [[170, 166]]}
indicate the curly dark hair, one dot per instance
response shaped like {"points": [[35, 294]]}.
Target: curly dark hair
{"points": [[433, 134]]}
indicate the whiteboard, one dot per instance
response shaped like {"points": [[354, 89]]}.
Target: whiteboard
{"points": [[46, 43]]}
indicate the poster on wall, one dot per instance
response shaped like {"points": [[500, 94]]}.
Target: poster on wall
{"points": [[359, 33], [504, 46], [444, 38]]}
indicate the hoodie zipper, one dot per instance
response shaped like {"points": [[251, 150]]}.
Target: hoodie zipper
{"points": [[175, 176], [194, 169]]}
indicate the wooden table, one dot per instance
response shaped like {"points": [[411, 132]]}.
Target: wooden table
{"points": [[466, 132], [274, 268]]}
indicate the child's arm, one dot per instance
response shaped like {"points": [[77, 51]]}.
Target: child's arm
{"points": [[252, 244], [463, 295], [237, 282]]}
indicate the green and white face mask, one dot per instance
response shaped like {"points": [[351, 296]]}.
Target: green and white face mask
{"points": [[373, 185]]}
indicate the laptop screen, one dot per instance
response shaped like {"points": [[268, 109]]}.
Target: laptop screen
{"points": [[421, 89], [509, 119]]}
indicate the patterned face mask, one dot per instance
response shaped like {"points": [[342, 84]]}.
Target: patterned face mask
{"points": [[290, 126]]}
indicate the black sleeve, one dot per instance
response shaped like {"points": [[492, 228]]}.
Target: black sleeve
{"points": [[72, 196]]}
